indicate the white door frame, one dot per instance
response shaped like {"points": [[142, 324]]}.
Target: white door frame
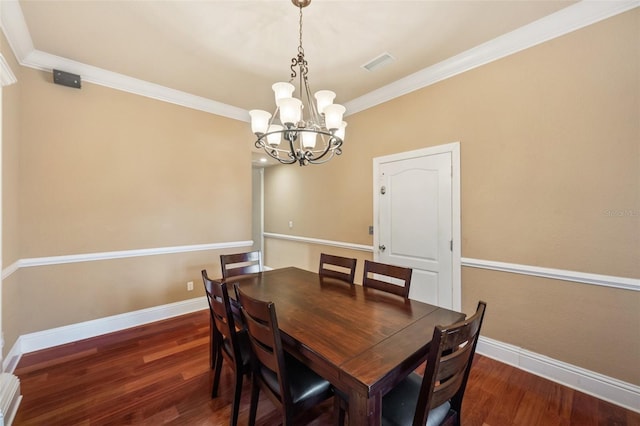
{"points": [[454, 149]]}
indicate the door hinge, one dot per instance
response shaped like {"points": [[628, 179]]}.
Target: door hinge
{"points": [[451, 245], [383, 190]]}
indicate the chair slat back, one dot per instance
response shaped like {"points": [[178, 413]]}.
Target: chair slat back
{"points": [[240, 263], [448, 365], [266, 344], [341, 268], [375, 271], [222, 314]]}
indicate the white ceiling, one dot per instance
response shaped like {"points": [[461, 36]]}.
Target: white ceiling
{"points": [[228, 53]]}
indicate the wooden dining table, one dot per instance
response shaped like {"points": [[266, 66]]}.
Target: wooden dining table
{"points": [[364, 341]]}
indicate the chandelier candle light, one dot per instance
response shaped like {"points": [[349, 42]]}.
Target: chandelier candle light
{"points": [[311, 139]]}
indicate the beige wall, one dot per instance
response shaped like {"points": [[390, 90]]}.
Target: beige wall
{"points": [[126, 171], [10, 151], [550, 154], [9, 237], [102, 170]]}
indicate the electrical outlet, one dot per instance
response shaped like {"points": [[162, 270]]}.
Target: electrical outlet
{"points": [[190, 286]]}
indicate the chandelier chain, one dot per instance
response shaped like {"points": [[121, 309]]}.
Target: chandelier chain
{"points": [[308, 138], [300, 49]]}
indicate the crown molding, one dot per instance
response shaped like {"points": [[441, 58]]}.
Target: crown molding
{"points": [[555, 25], [15, 28], [552, 26], [46, 62], [7, 76]]}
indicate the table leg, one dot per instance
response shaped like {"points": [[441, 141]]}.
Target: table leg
{"points": [[363, 410]]}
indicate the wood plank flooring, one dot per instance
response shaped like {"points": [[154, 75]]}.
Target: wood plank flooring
{"points": [[159, 374]]}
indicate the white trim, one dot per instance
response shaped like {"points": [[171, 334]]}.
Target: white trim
{"points": [[15, 28], [6, 272], [7, 76], [46, 62], [569, 19], [454, 149], [10, 398], [340, 244], [603, 387], [555, 274], [10, 362], [17, 33], [84, 330], [109, 255]]}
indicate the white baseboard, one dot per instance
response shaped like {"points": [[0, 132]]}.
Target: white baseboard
{"points": [[10, 398], [84, 330], [603, 387]]}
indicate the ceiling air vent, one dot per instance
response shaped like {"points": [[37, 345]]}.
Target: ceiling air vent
{"points": [[378, 62]]}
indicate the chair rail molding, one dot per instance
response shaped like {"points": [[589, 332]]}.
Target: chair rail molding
{"points": [[556, 274], [340, 244], [90, 257]]}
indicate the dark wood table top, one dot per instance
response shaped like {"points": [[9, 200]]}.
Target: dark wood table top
{"points": [[362, 340]]}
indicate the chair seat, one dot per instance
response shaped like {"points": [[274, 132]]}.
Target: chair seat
{"points": [[303, 382], [399, 405]]}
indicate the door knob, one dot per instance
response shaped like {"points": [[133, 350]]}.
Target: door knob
{"points": [[382, 247]]}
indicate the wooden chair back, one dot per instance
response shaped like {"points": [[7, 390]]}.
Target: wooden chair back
{"points": [[240, 263], [290, 394], [342, 268], [266, 345], [390, 272], [223, 318], [227, 343], [448, 366]]}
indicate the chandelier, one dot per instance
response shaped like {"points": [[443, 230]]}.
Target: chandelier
{"points": [[311, 138]]}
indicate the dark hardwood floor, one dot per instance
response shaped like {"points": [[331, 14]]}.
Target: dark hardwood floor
{"points": [[159, 374]]}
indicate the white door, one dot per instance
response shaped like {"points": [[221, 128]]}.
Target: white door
{"points": [[417, 216]]}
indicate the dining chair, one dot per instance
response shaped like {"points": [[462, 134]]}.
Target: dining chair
{"points": [[230, 343], [240, 263], [291, 386], [436, 398], [386, 276], [342, 268]]}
